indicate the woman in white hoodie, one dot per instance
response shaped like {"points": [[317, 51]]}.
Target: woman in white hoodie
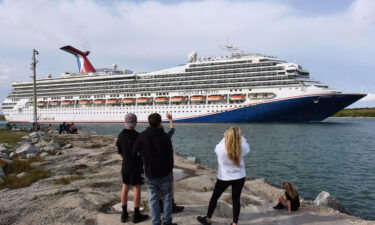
{"points": [[231, 172]]}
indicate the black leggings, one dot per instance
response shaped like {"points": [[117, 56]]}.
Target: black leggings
{"points": [[220, 187]]}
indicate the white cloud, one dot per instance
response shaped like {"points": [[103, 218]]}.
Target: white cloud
{"points": [[4, 75]]}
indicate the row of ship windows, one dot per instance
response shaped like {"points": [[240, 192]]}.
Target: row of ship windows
{"points": [[153, 89], [121, 81], [137, 90], [168, 76], [228, 67], [138, 108], [219, 63], [43, 90]]}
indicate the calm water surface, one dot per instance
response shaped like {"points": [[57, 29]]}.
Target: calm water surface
{"points": [[336, 155]]}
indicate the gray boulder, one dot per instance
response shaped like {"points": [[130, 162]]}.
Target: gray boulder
{"points": [[1, 172], [34, 135], [52, 146], [43, 154], [67, 146], [2, 148], [27, 148], [21, 174], [325, 199]]}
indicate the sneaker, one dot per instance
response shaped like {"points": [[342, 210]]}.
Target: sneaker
{"points": [[124, 217], [169, 223], [137, 218], [202, 220], [279, 206], [177, 209]]}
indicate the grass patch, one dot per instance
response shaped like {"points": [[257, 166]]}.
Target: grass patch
{"points": [[11, 137], [360, 112], [2, 117], [67, 179], [11, 180]]}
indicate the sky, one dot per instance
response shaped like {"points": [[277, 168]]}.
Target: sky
{"points": [[333, 39]]}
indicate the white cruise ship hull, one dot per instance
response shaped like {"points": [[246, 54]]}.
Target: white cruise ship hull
{"points": [[304, 108]]}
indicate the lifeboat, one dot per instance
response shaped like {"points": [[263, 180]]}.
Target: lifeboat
{"points": [[128, 100], [198, 98], [84, 101], [112, 101], [216, 98], [41, 103], [55, 103], [66, 102], [178, 99], [99, 101], [161, 99], [143, 100], [237, 97]]}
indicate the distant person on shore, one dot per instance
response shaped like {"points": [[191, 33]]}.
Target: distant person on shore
{"points": [[62, 128], [175, 208], [132, 169], [155, 148], [66, 129], [231, 172], [72, 129], [291, 200]]}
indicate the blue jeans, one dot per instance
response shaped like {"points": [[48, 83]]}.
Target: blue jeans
{"points": [[157, 187]]}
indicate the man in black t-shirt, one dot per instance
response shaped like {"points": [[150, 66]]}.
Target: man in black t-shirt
{"points": [[132, 169]]}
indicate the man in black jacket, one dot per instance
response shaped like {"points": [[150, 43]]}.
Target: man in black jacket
{"points": [[155, 148]]}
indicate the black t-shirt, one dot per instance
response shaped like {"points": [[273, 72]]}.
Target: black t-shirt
{"points": [[132, 163], [293, 202]]}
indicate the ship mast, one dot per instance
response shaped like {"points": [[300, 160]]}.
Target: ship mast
{"points": [[33, 68]]}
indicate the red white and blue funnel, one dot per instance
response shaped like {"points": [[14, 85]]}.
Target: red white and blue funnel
{"points": [[84, 64]]}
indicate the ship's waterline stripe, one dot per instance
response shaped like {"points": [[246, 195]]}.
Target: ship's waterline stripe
{"points": [[201, 115]]}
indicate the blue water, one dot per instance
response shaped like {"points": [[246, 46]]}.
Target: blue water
{"points": [[336, 155]]}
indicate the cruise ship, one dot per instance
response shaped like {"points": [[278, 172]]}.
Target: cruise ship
{"points": [[239, 87]]}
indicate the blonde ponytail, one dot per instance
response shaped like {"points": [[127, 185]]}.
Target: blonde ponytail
{"points": [[233, 142]]}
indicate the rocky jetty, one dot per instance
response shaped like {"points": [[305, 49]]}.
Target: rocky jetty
{"points": [[84, 187]]}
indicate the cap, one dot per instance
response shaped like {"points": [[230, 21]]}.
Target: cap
{"points": [[130, 120]]}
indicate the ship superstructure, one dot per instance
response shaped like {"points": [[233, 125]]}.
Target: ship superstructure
{"points": [[236, 88]]}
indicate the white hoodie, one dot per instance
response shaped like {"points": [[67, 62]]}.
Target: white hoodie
{"points": [[226, 169]]}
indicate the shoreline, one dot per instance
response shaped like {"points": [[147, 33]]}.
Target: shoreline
{"points": [[90, 200]]}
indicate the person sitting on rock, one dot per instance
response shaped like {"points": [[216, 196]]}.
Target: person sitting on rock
{"points": [[231, 172], [132, 169], [291, 200]]}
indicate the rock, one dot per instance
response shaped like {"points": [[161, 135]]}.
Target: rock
{"points": [[2, 172], [34, 140], [21, 174], [26, 137], [179, 174], [4, 162], [43, 154], [327, 200], [34, 135], [42, 143], [24, 148], [52, 146], [199, 183], [12, 154], [2, 148], [67, 146], [192, 159], [29, 155]]}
